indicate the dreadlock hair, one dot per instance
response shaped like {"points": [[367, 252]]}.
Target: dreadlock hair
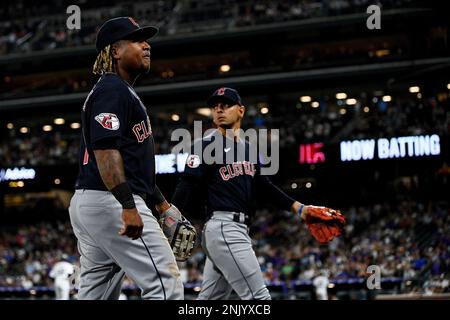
{"points": [[104, 61]]}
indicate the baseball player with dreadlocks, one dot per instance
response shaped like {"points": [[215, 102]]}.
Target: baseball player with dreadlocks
{"points": [[116, 230], [230, 186]]}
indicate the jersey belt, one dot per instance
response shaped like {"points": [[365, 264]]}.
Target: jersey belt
{"points": [[237, 216]]}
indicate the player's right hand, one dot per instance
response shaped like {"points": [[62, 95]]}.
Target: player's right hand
{"points": [[132, 224]]}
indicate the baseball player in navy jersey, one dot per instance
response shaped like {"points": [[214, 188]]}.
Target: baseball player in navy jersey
{"points": [[231, 263], [116, 231]]}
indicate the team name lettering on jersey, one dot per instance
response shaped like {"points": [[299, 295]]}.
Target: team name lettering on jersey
{"points": [[237, 169], [142, 130]]}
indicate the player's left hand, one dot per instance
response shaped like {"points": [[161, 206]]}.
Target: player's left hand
{"points": [[179, 231], [323, 223]]}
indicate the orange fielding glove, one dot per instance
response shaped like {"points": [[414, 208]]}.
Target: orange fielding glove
{"points": [[324, 223]]}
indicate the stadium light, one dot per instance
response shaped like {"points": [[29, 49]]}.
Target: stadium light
{"points": [[294, 186], [342, 111], [59, 121], [167, 74], [57, 181], [175, 117], [204, 111], [414, 89], [13, 184], [10, 126], [308, 185], [305, 99], [225, 68], [341, 96], [350, 101], [47, 128], [366, 109], [387, 98], [448, 86], [20, 184], [264, 110], [24, 130], [382, 53], [75, 125], [315, 104]]}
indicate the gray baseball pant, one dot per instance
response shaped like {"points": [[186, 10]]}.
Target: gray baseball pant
{"points": [[106, 256], [231, 262]]}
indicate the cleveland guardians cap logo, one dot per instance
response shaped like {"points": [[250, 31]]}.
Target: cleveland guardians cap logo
{"points": [[221, 92], [108, 121]]}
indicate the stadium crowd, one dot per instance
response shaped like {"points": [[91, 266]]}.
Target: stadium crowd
{"points": [[28, 252], [240, 61], [407, 240], [48, 149], [305, 124], [40, 27]]}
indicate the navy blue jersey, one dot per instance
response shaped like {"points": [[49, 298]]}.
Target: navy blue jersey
{"points": [[231, 185], [113, 117]]}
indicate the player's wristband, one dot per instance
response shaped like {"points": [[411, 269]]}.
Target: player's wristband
{"points": [[300, 210], [122, 193]]}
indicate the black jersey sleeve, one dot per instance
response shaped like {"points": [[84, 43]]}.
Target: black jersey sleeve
{"points": [[269, 191], [108, 117], [185, 193], [157, 197]]}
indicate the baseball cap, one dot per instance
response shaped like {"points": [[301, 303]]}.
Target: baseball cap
{"points": [[122, 28], [224, 94]]}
